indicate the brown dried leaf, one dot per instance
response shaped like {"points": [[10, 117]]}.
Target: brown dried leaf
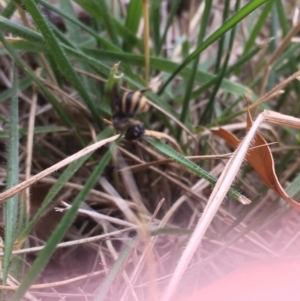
{"points": [[260, 158]]}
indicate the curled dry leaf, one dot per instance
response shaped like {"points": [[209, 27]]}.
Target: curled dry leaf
{"points": [[260, 158]]}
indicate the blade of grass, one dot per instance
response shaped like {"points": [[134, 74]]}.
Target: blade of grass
{"points": [[11, 206], [73, 34], [115, 270], [123, 32], [132, 21], [56, 105], [241, 14], [172, 14], [219, 192], [258, 25], [76, 38], [241, 61], [160, 64], [273, 45], [207, 114], [284, 23], [20, 31], [60, 231], [98, 38], [26, 33], [111, 87], [60, 56], [37, 130], [282, 17], [130, 59], [155, 24], [23, 84], [191, 78], [99, 10], [60, 183], [222, 39], [164, 65], [102, 8], [62, 37], [9, 9], [23, 45], [62, 114], [171, 153], [146, 38]]}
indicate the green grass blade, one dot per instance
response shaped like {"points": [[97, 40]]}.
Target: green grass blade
{"points": [[23, 45], [26, 33], [171, 153], [293, 188], [102, 8], [11, 205], [93, 8], [111, 88], [99, 10], [132, 21], [274, 28], [222, 39], [56, 105], [172, 14], [284, 23], [241, 14], [128, 36], [62, 38], [23, 84], [90, 56], [37, 130], [60, 56], [64, 117], [98, 38], [155, 25], [130, 59], [191, 78], [66, 6], [162, 65], [282, 17], [20, 31], [60, 231], [258, 25], [133, 17], [60, 183], [114, 271], [9, 10], [241, 61], [207, 114]]}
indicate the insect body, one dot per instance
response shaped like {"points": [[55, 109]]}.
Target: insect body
{"points": [[130, 103], [124, 107], [135, 131]]}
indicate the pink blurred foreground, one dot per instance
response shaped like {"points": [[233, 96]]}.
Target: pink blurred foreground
{"points": [[268, 280]]}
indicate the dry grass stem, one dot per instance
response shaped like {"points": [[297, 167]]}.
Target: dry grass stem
{"points": [[275, 91], [221, 188], [56, 283], [20, 187], [75, 242]]}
